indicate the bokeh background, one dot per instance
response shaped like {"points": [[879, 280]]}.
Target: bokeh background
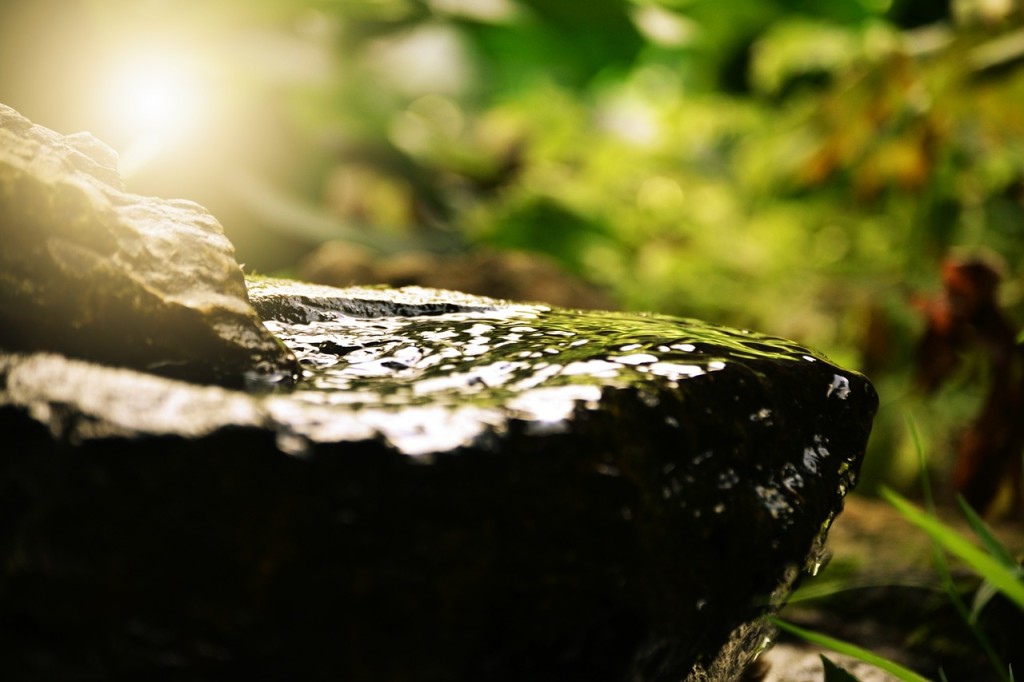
{"points": [[798, 167]]}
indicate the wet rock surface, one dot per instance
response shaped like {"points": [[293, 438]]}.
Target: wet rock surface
{"points": [[93, 272], [457, 489]]}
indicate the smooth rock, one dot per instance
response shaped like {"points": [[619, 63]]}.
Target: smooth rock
{"points": [[96, 273], [457, 489]]}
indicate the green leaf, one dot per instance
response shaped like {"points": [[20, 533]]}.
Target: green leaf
{"points": [[833, 673], [989, 568], [851, 650]]}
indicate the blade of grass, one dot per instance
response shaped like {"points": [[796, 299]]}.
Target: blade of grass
{"points": [[828, 588], [982, 596], [847, 649], [990, 569], [953, 593], [995, 548], [922, 463], [945, 574], [992, 544], [833, 673]]}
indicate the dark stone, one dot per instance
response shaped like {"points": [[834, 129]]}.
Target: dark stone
{"points": [[457, 489], [93, 272]]}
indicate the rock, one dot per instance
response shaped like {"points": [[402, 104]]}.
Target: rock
{"points": [[93, 272], [513, 275], [457, 489]]}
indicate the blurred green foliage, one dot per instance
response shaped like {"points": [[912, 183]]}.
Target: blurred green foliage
{"points": [[798, 167]]}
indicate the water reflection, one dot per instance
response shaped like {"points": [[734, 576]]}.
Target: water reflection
{"points": [[456, 369], [494, 356]]}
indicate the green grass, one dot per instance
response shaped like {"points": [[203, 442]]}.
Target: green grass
{"points": [[988, 558], [993, 564], [852, 650]]}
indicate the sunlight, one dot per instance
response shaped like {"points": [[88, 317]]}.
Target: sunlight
{"points": [[157, 100]]}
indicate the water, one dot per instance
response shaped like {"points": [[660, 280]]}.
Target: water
{"points": [[492, 357]]}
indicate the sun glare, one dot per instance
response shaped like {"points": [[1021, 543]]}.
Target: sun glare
{"points": [[156, 100]]}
